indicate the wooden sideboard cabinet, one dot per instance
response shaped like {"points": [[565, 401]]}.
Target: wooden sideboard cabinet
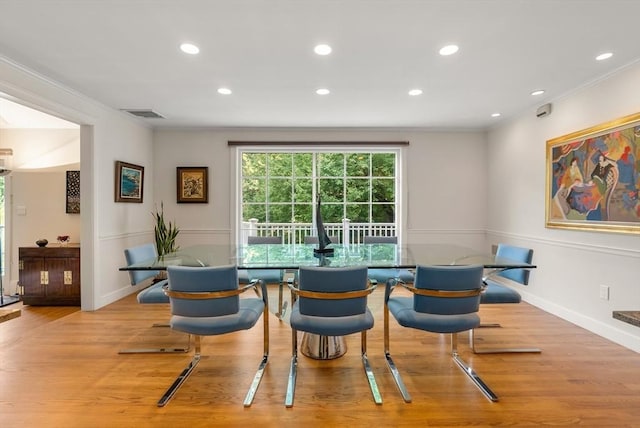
{"points": [[50, 275]]}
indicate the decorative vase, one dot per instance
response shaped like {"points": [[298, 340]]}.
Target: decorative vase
{"points": [[42, 242]]}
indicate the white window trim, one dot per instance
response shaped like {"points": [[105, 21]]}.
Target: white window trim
{"points": [[236, 170]]}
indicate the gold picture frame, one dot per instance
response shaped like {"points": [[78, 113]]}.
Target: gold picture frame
{"points": [[593, 180], [193, 184], [129, 185]]}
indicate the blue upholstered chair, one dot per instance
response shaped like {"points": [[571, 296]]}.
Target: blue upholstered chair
{"points": [[383, 275], [499, 293], [445, 299], [330, 302], [151, 294], [205, 301], [154, 293], [269, 276]]}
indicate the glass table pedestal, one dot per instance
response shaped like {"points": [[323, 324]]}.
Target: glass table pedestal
{"points": [[322, 347]]}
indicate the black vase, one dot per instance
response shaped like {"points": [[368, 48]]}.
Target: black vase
{"points": [[42, 242]]}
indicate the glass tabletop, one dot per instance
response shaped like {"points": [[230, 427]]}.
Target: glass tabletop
{"points": [[292, 256]]}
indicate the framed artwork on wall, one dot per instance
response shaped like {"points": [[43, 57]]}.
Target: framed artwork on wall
{"points": [[129, 182], [593, 178], [193, 184], [73, 192]]}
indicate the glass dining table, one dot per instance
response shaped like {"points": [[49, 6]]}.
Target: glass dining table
{"points": [[290, 257], [293, 256]]}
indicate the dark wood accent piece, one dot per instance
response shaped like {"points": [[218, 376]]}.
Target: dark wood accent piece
{"points": [[50, 275], [9, 314], [630, 317]]}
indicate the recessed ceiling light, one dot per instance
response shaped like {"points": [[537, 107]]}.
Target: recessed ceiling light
{"points": [[224, 91], [415, 92], [495, 114], [322, 91], [449, 50], [189, 48], [322, 49], [538, 92], [604, 56]]}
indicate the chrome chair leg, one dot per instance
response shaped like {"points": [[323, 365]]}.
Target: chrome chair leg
{"points": [[182, 377], [392, 367], [469, 371], [367, 369], [158, 350], [282, 307], [472, 344], [398, 379], [256, 382], [265, 357], [293, 370]]}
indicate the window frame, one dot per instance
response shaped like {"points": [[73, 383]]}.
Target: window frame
{"points": [[399, 178]]}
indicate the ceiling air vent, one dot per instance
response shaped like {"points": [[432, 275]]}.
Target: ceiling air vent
{"points": [[147, 114]]}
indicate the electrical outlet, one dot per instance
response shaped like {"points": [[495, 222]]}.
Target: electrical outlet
{"points": [[604, 292]]}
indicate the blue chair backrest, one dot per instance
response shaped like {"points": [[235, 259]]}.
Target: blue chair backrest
{"points": [[519, 254], [139, 254], [448, 278], [251, 240], [203, 279], [380, 239], [332, 280]]}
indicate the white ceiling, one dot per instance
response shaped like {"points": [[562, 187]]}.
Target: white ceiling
{"points": [[125, 54], [16, 116]]}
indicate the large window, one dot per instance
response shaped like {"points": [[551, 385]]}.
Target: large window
{"points": [[281, 187]]}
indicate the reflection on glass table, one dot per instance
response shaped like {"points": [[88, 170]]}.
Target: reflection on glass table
{"points": [[292, 256]]}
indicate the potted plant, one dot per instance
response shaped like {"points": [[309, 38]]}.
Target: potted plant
{"points": [[165, 233]]}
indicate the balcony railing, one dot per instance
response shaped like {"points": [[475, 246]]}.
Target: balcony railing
{"points": [[346, 232]]}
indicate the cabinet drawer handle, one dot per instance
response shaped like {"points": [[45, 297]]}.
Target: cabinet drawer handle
{"points": [[68, 277], [44, 277]]}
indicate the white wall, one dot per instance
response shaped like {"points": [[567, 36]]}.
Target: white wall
{"points": [[43, 196], [445, 183], [37, 203], [39, 191], [571, 264], [107, 135]]}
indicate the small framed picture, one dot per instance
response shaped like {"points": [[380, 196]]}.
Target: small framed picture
{"points": [[129, 182], [193, 184], [73, 192]]}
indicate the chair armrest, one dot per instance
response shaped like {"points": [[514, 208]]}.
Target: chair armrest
{"points": [[204, 295], [442, 293], [389, 287], [263, 290], [332, 295]]}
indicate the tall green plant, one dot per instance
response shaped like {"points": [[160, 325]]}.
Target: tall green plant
{"points": [[165, 233]]}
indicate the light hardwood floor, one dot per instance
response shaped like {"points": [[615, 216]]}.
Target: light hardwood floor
{"points": [[60, 367]]}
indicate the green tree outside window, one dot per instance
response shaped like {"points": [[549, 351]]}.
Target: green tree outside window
{"points": [[281, 187]]}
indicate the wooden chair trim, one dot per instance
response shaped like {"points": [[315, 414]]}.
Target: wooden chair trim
{"points": [[332, 295], [204, 295], [441, 293]]}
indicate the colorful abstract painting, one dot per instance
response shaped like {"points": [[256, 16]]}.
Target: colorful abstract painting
{"points": [[593, 180]]}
